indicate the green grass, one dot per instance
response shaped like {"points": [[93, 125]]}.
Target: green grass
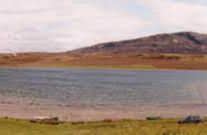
{"points": [[62, 65], [124, 127]]}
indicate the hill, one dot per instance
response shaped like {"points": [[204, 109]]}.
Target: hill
{"points": [[180, 43], [183, 50]]}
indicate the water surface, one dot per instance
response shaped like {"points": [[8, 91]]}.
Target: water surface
{"points": [[106, 88]]}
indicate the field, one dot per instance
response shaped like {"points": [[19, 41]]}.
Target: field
{"points": [[123, 127], [115, 61]]}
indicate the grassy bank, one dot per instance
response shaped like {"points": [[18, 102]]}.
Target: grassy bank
{"points": [[107, 61], [124, 127]]}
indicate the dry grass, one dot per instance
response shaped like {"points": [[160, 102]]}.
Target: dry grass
{"points": [[123, 127], [122, 61]]}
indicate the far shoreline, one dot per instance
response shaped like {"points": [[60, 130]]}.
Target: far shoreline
{"points": [[107, 61], [98, 68]]}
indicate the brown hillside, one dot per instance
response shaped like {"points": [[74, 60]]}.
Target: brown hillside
{"points": [[182, 43]]}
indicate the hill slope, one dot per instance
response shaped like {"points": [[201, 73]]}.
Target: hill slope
{"points": [[182, 43], [184, 50]]}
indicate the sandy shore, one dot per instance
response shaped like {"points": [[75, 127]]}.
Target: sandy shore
{"points": [[71, 113]]}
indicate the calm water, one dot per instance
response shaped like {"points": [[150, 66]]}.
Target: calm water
{"points": [[104, 87]]}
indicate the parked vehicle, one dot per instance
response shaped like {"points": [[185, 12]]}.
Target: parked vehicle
{"points": [[191, 120]]}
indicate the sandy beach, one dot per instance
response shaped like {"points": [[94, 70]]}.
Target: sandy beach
{"points": [[74, 114]]}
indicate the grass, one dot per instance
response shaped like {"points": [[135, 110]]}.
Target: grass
{"points": [[112, 67], [123, 127], [107, 61]]}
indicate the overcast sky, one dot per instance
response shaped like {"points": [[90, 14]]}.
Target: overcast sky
{"points": [[61, 25]]}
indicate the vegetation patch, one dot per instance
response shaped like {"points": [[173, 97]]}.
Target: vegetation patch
{"points": [[123, 127]]}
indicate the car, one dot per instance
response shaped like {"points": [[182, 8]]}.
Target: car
{"points": [[191, 120]]}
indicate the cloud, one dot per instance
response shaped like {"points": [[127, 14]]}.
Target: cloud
{"points": [[93, 23], [51, 25], [178, 15]]}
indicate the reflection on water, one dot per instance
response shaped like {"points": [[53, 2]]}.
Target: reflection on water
{"points": [[104, 87]]}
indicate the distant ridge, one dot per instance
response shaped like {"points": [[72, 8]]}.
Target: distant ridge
{"points": [[181, 43]]}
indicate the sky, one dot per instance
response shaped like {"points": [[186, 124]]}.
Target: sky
{"points": [[62, 25]]}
